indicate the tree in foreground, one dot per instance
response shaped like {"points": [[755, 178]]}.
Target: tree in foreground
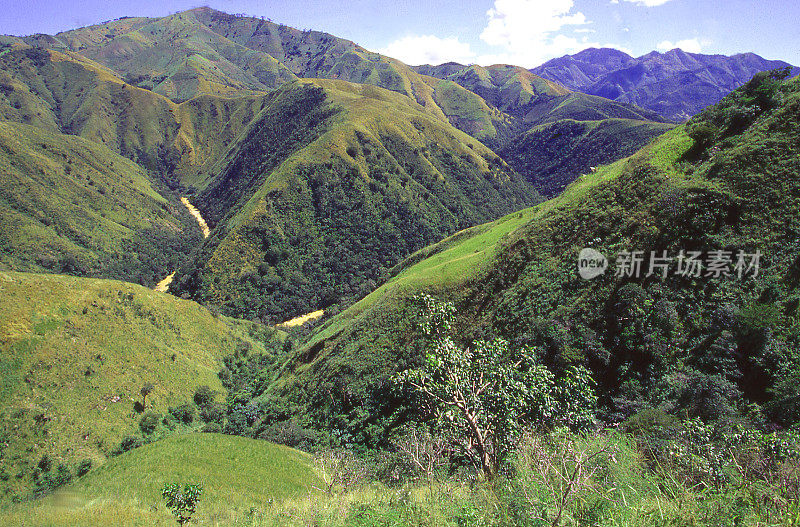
{"points": [[182, 502], [486, 395]]}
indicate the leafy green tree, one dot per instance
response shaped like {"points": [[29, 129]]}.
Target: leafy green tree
{"points": [[487, 394], [182, 502]]}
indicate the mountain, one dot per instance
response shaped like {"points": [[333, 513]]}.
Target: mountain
{"points": [[67, 93], [68, 205], [207, 52], [674, 84], [555, 134], [75, 353], [223, 150], [704, 345], [530, 98], [332, 183], [554, 154], [204, 51]]}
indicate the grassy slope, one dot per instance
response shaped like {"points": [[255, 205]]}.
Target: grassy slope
{"points": [[448, 266], [74, 354], [337, 180], [70, 205], [62, 91], [221, 54], [553, 154], [524, 285], [237, 474]]}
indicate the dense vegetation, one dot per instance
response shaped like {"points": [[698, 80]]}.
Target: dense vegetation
{"points": [[481, 379], [553, 135], [76, 355], [716, 347], [332, 185], [71, 206], [553, 155]]}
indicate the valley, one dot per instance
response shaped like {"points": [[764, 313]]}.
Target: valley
{"points": [[258, 275]]}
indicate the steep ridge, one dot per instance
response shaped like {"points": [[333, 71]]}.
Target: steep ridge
{"points": [[555, 134], [532, 99], [699, 345], [67, 93], [204, 51], [68, 205], [332, 183]]}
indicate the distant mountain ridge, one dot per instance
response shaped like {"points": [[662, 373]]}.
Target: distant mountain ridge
{"points": [[675, 84]]}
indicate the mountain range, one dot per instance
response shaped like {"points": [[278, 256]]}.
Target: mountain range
{"points": [[336, 179], [675, 84]]}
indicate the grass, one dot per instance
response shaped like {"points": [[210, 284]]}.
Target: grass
{"points": [[72, 205], [240, 476], [332, 182], [463, 257], [74, 354]]}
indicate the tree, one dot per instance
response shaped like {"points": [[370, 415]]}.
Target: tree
{"points": [[182, 502], [486, 395]]}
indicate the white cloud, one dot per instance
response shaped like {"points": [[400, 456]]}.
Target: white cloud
{"points": [[429, 49], [528, 31], [689, 45], [646, 3]]}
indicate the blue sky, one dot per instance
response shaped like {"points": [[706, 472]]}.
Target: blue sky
{"points": [[522, 32]]}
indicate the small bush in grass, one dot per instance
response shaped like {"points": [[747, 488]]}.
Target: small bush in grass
{"points": [[182, 502], [183, 413], [83, 467], [149, 422], [128, 443]]}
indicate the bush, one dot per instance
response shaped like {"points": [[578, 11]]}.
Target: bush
{"points": [[83, 467], [213, 413], [203, 396], [128, 443], [149, 422], [183, 413]]}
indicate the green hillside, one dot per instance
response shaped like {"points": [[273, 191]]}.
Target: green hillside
{"points": [[554, 154], [67, 93], [68, 205], [74, 354], [237, 475], [705, 346], [333, 182], [207, 52], [552, 135], [204, 52]]}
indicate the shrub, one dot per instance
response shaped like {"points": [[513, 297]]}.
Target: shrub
{"points": [[182, 502], [83, 467], [128, 443], [213, 413], [183, 413], [203, 396], [149, 422]]}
